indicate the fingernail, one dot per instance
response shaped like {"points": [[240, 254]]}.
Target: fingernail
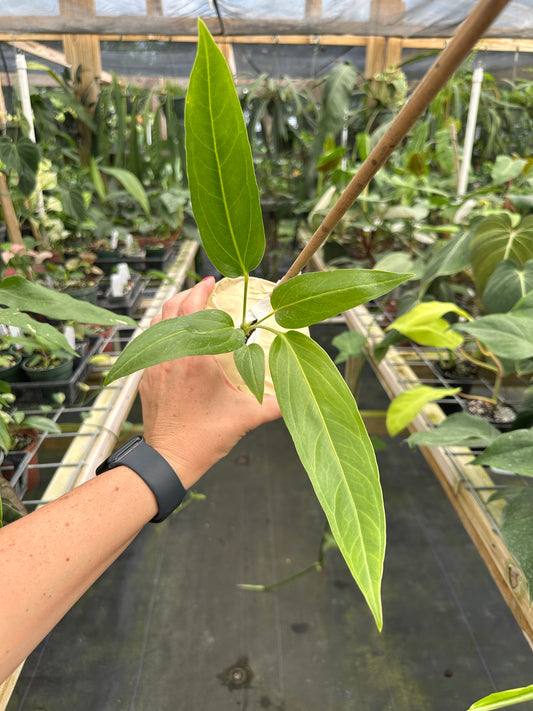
{"points": [[207, 277]]}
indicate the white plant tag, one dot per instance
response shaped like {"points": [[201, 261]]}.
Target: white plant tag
{"points": [[117, 285], [114, 239], [70, 335]]}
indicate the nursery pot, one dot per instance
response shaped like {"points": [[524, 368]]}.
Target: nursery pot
{"points": [[228, 296], [59, 372], [13, 459], [11, 373], [84, 293]]}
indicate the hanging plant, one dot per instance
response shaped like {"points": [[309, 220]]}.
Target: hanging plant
{"points": [[316, 404]]}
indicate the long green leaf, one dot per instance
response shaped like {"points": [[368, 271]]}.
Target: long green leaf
{"points": [[201, 333], [451, 258], [516, 531], [19, 293], [315, 296], [334, 447], [131, 184], [13, 317], [503, 699], [224, 193]]}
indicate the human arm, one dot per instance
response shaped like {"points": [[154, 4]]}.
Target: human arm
{"points": [[193, 417]]}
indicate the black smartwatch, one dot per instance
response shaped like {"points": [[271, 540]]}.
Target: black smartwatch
{"points": [[153, 469]]}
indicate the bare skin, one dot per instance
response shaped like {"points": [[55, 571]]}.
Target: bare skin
{"points": [[193, 416]]}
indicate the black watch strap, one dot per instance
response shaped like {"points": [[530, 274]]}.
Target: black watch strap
{"points": [[153, 469]]}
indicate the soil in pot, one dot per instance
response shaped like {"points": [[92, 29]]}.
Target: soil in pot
{"points": [[501, 415], [60, 371], [25, 440], [10, 371], [461, 374]]}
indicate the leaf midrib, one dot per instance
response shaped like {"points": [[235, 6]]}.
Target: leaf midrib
{"points": [[306, 380]]}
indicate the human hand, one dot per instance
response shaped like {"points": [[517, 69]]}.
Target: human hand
{"points": [[192, 414]]}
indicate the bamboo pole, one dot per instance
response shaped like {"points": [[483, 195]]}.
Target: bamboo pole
{"points": [[468, 33]]}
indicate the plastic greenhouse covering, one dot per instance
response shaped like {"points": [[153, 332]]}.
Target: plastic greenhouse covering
{"points": [[409, 18]]}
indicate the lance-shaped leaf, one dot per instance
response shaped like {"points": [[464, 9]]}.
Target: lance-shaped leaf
{"points": [[406, 406], [334, 447], [12, 317], [453, 257], [424, 324], [19, 293], [512, 451], [250, 362], [503, 699], [458, 430], [224, 193], [507, 335], [201, 333], [309, 298]]}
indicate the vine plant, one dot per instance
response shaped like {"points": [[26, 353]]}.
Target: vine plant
{"points": [[317, 405]]}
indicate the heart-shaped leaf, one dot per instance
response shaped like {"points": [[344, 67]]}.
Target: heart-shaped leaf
{"points": [[507, 285], [495, 239], [335, 450], [507, 335], [205, 332], [312, 297], [458, 430], [224, 193], [512, 451]]}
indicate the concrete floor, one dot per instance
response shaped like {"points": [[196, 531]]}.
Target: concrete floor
{"points": [[167, 628]]}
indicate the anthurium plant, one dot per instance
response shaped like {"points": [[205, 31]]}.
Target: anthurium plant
{"points": [[317, 406]]}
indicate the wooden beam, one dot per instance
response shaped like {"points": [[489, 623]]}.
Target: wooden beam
{"points": [[313, 8], [226, 47], [393, 52], [375, 57], [37, 49]]}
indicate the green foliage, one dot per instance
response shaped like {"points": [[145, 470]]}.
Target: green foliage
{"points": [[424, 324], [250, 362], [497, 238], [310, 298], [21, 157], [458, 430], [205, 332], [503, 699], [18, 293], [224, 193], [406, 406], [511, 451], [335, 449], [507, 284]]}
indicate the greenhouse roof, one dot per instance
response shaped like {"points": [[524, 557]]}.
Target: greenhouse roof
{"points": [[402, 18]]}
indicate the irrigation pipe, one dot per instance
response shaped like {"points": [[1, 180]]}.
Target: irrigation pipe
{"points": [[465, 37]]}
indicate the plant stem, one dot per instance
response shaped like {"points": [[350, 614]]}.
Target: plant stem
{"points": [[244, 299], [467, 34], [317, 565]]}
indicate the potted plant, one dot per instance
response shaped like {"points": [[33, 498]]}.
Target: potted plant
{"points": [[77, 276], [315, 401], [19, 434]]}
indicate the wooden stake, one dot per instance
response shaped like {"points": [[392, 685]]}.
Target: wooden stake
{"points": [[467, 34]]}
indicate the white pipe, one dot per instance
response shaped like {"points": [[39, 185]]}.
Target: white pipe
{"points": [[477, 80], [24, 93]]}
